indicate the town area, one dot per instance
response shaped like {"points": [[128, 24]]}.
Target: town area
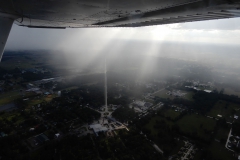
{"points": [[47, 113]]}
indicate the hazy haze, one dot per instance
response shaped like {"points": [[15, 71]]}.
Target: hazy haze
{"points": [[212, 42]]}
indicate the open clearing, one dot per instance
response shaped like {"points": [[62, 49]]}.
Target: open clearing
{"points": [[225, 109], [171, 113], [190, 124], [152, 122], [196, 124], [41, 99], [9, 97], [162, 94], [219, 151]]}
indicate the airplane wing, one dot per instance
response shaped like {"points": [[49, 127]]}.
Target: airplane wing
{"points": [[109, 13], [115, 13]]}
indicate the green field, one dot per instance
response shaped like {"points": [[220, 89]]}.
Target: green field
{"points": [[171, 113], [196, 124], [39, 100], [178, 146], [148, 100], [9, 97], [219, 151], [13, 117], [229, 91], [222, 133], [218, 148], [71, 88], [189, 96], [223, 108], [16, 61], [162, 94], [152, 122], [189, 124]]}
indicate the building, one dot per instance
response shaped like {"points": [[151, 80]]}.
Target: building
{"points": [[2, 134], [139, 103], [142, 105], [29, 86], [57, 135], [147, 104], [111, 119], [59, 93], [36, 90], [41, 138], [46, 93], [98, 128], [208, 91]]}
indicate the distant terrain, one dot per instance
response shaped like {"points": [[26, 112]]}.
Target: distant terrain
{"points": [[167, 108]]}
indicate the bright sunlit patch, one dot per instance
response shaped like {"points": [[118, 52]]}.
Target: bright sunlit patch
{"points": [[173, 26]]}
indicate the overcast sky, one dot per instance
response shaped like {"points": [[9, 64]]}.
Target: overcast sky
{"points": [[221, 32]]}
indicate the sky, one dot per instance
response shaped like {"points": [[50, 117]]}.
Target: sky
{"points": [[142, 40]]}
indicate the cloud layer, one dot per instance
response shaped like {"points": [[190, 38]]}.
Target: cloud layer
{"points": [[222, 32]]}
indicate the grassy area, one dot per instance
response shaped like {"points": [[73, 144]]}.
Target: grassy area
{"points": [[41, 99], [189, 96], [92, 83], [229, 91], [152, 122], [14, 117], [18, 61], [162, 94], [219, 151], [71, 88], [191, 124], [196, 124], [83, 128], [34, 102], [172, 114], [222, 134], [178, 146], [223, 108], [9, 97], [149, 100], [49, 98]]}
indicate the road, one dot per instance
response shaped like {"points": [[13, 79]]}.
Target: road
{"points": [[158, 91], [157, 148], [188, 152], [102, 112], [229, 135]]}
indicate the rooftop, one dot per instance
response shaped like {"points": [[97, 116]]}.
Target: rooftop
{"points": [[98, 128]]}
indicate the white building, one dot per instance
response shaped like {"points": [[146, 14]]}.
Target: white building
{"points": [[208, 91], [98, 128], [59, 93], [139, 103]]}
